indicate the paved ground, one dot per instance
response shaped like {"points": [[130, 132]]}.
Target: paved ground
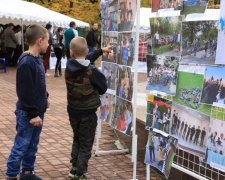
{"points": [[54, 149]]}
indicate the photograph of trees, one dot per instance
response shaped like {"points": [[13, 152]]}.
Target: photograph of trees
{"points": [[199, 42], [166, 35]]}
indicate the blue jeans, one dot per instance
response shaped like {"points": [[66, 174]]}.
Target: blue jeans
{"points": [[25, 144], [91, 49]]}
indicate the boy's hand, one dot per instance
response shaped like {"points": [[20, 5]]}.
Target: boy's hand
{"points": [[36, 121], [107, 49]]}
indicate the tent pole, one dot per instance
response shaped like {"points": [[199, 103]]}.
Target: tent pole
{"points": [[22, 35]]}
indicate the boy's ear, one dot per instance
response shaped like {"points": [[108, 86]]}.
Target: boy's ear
{"points": [[71, 53], [38, 41], [87, 50]]}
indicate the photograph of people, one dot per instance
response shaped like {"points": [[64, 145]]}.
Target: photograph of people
{"points": [[104, 15], [158, 114], [192, 137], [220, 53], [162, 73], [107, 107], [162, 5], [213, 4], [215, 153], [110, 72], [112, 15], [199, 42], [194, 6], [160, 151], [126, 48], [122, 118], [126, 19], [189, 94], [166, 35], [124, 83], [110, 39], [214, 85]]}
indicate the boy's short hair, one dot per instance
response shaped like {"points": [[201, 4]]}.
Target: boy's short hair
{"points": [[35, 32], [72, 23], [48, 26], [78, 46], [11, 24]]}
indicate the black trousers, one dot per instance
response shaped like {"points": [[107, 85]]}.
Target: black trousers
{"points": [[83, 139], [58, 54], [10, 55], [67, 53]]}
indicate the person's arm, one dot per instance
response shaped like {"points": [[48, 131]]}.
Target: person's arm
{"points": [[98, 80], [25, 89], [93, 56], [13, 37]]}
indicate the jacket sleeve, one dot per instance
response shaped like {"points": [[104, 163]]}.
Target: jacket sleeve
{"points": [[98, 80], [25, 89], [93, 56]]}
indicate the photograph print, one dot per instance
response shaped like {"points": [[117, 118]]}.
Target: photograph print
{"points": [[158, 114], [167, 5], [215, 153], [166, 35], [214, 85], [104, 15], [108, 103], [160, 151], [189, 88], [213, 4], [122, 117], [191, 128], [194, 6], [220, 53], [110, 39], [126, 48], [162, 73], [110, 72], [112, 15], [199, 39], [124, 83], [126, 15]]}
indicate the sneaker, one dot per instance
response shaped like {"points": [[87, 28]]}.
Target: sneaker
{"points": [[11, 178], [72, 172], [29, 175], [46, 74], [81, 177]]}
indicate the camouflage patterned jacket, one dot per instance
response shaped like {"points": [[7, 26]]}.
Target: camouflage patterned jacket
{"points": [[84, 85]]}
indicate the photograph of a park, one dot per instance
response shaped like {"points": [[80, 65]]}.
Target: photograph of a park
{"points": [[160, 151], [158, 114], [166, 35], [191, 128], [168, 5], [199, 42], [214, 85], [194, 6], [162, 73], [189, 88]]}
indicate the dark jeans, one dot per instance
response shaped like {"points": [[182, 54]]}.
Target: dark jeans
{"points": [[83, 139], [152, 152], [25, 145], [10, 55], [67, 53], [58, 54], [202, 140], [196, 139]]}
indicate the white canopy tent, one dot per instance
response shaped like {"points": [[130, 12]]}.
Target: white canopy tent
{"points": [[18, 11]]}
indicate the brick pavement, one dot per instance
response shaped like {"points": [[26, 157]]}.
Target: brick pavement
{"points": [[53, 158]]}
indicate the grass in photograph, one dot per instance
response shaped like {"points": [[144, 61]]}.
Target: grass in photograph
{"points": [[218, 113], [188, 81], [193, 9]]}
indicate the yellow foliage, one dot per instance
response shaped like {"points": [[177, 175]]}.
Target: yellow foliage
{"points": [[83, 10]]}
